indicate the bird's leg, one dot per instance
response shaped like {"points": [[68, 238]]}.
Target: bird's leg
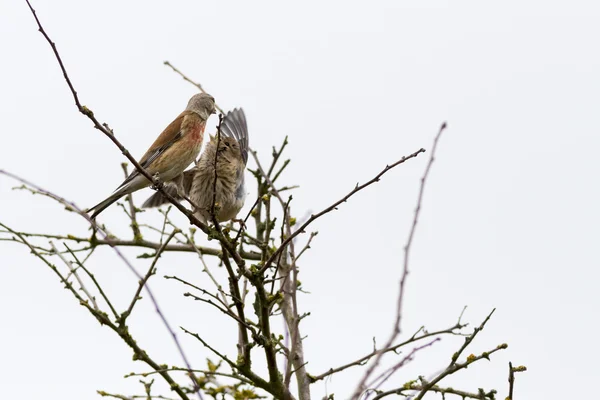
{"points": [[156, 182]]}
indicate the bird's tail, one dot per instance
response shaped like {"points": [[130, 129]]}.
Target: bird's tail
{"points": [[157, 199], [98, 208], [131, 184]]}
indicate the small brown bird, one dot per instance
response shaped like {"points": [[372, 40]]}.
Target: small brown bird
{"points": [[176, 148], [198, 182]]}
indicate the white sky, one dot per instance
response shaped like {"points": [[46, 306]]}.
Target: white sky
{"points": [[510, 217]]}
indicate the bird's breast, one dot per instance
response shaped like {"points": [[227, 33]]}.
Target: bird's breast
{"points": [[196, 131]]}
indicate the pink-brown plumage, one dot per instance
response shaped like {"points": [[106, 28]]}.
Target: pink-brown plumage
{"points": [[175, 148]]}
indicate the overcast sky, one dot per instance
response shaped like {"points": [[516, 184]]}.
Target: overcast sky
{"points": [[510, 217]]}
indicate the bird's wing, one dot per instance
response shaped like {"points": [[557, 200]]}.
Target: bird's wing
{"points": [[235, 126], [240, 190], [165, 140]]}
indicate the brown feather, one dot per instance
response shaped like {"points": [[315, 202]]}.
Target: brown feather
{"points": [[170, 131]]}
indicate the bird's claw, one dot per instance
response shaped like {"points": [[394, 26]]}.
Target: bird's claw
{"points": [[157, 184]]}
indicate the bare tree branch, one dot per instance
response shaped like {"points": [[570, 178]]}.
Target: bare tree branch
{"points": [[334, 206], [396, 329], [415, 338]]}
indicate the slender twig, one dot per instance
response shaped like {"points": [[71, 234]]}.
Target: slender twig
{"points": [[227, 312], [115, 242], [413, 386], [511, 378], [307, 245], [243, 339], [185, 78], [207, 271], [117, 251], [81, 265], [278, 391], [453, 366], [144, 280], [334, 206], [396, 328], [363, 360], [104, 320], [164, 224], [511, 381], [276, 155], [242, 229], [76, 275], [288, 306], [123, 397], [213, 211], [201, 371], [387, 374], [137, 235]]}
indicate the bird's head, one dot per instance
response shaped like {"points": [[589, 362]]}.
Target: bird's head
{"points": [[202, 104]]}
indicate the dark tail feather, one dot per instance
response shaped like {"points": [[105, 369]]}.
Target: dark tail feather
{"points": [[157, 199], [104, 204]]}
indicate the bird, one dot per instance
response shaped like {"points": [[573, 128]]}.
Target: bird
{"points": [[175, 148], [199, 181]]}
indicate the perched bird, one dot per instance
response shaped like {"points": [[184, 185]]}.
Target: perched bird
{"points": [[199, 181], [170, 154]]}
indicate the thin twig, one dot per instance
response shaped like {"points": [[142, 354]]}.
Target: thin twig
{"points": [[144, 280], [453, 366], [113, 241], [511, 378], [385, 375], [76, 275], [363, 360], [396, 328], [201, 371], [288, 306], [81, 265], [185, 78], [104, 320], [334, 206], [106, 235], [137, 235], [307, 245]]}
